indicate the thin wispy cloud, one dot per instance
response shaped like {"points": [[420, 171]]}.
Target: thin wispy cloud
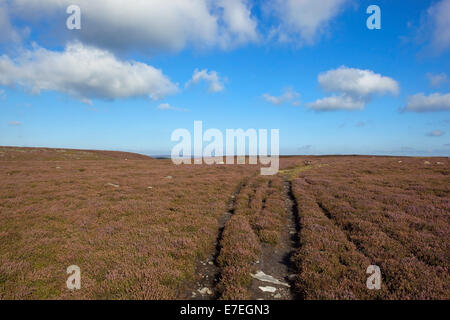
{"points": [[288, 96], [438, 21], [166, 106], [305, 148], [436, 79], [8, 33], [14, 123], [436, 133], [212, 78]]}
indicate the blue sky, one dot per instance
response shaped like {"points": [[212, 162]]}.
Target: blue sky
{"points": [[311, 69]]}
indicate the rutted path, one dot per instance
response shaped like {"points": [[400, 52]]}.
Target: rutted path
{"points": [[208, 269], [275, 275]]}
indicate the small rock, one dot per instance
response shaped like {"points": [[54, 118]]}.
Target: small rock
{"points": [[426, 162], [205, 290], [112, 185], [439, 162], [193, 294], [277, 296], [291, 277], [210, 262], [261, 276], [169, 177], [149, 187], [268, 289]]}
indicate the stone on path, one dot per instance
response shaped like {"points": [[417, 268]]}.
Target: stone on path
{"points": [[267, 289], [261, 276]]}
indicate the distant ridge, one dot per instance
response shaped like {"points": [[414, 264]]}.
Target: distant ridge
{"points": [[61, 154]]}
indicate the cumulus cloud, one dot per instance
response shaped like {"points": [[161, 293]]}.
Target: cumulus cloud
{"points": [[357, 82], [438, 17], [166, 106], [303, 21], [85, 73], [287, 96], [152, 25], [436, 79], [14, 123], [436, 133], [423, 103], [354, 88], [211, 77]]}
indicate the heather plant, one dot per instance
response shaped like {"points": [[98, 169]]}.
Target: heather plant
{"points": [[135, 233], [393, 214], [258, 219]]}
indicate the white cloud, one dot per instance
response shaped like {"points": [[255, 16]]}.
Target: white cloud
{"points": [[8, 34], [211, 77], [356, 82], [436, 133], [166, 106], [151, 25], [438, 15], [2, 94], [304, 20], [85, 73], [433, 102], [14, 123], [240, 26], [354, 88], [436, 79], [334, 103], [288, 95]]}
